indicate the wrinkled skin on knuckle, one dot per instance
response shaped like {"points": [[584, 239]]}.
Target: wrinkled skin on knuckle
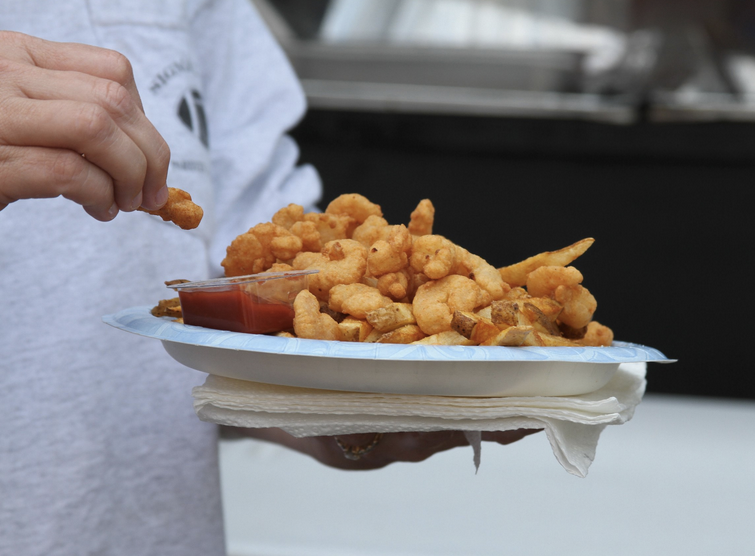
{"points": [[162, 154], [92, 124], [115, 98], [17, 43], [67, 170], [118, 66]]}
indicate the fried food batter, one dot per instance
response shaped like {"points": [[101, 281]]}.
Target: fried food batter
{"points": [[259, 249], [179, 209], [371, 270]]}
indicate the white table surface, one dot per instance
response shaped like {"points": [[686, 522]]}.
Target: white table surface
{"points": [[677, 479]]}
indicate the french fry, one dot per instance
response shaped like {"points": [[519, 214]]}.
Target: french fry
{"points": [[447, 338], [506, 313], [403, 335], [541, 339], [335, 315], [483, 331], [354, 330], [464, 322], [168, 308], [391, 317], [373, 336], [485, 312], [538, 319], [516, 274], [512, 336], [550, 308]]}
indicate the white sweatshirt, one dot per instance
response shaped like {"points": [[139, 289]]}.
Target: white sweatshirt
{"points": [[100, 450]]}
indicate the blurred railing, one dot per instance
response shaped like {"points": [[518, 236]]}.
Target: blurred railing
{"points": [[603, 60]]}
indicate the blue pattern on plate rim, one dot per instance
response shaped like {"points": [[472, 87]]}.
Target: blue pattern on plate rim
{"points": [[139, 320]]}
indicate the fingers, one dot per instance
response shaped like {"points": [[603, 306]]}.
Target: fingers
{"points": [[83, 128], [411, 447], [82, 58], [391, 447], [121, 110], [81, 98], [27, 173]]}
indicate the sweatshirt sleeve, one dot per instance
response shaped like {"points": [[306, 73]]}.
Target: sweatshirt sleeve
{"points": [[252, 99]]}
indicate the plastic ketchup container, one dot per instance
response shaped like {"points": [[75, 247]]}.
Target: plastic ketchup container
{"points": [[253, 304]]}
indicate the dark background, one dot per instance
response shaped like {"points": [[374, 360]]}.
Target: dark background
{"points": [[670, 207]]}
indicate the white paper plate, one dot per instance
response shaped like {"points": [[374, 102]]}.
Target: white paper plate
{"points": [[387, 368]]}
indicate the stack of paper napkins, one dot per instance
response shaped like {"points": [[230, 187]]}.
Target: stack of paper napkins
{"points": [[572, 423]]}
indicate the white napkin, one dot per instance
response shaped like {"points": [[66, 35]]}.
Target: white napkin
{"points": [[572, 424]]}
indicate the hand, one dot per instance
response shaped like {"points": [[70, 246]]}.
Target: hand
{"points": [[391, 448], [72, 124]]}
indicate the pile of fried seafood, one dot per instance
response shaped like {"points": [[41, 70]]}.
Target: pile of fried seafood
{"points": [[403, 284]]}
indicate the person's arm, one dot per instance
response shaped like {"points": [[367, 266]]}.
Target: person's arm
{"points": [[378, 450], [72, 124]]}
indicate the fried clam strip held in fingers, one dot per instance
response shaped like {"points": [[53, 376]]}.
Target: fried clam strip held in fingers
{"points": [[179, 209], [404, 283]]}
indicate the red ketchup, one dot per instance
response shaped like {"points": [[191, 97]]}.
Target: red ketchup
{"points": [[236, 311]]}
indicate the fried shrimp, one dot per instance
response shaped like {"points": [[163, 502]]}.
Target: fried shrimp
{"points": [[436, 257], [485, 274], [544, 281], [310, 323], [579, 305], [356, 299], [179, 209], [374, 228], [435, 302], [356, 206], [397, 285], [288, 216], [597, 335], [391, 254], [422, 219], [330, 226], [259, 248], [341, 262], [313, 228]]}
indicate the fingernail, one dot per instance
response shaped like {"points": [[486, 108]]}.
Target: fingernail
{"points": [[113, 211], [162, 196], [136, 202]]}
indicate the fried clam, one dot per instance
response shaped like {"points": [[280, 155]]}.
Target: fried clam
{"points": [[597, 335], [179, 209], [390, 254], [563, 284], [355, 206], [357, 300], [259, 248], [371, 230], [340, 262], [579, 305], [310, 322], [399, 285], [435, 302], [313, 228], [544, 281], [422, 219], [436, 257]]}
